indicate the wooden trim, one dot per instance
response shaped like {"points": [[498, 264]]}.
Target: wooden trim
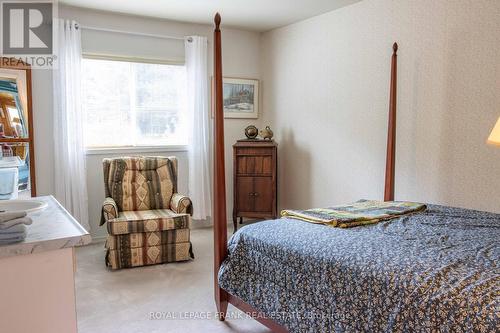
{"points": [[252, 143], [31, 133], [9, 140], [256, 214], [219, 211], [14, 63], [390, 163], [246, 154], [17, 64]]}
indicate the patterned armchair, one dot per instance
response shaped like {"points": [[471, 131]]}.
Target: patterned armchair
{"points": [[147, 220]]}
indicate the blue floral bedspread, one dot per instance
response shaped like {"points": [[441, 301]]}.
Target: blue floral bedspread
{"points": [[435, 271]]}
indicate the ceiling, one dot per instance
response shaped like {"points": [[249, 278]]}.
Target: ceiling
{"points": [[256, 15]]}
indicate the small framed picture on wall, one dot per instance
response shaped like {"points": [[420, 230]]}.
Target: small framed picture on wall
{"points": [[240, 98]]}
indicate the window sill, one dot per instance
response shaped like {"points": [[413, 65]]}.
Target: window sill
{"points": [[135, 150]]}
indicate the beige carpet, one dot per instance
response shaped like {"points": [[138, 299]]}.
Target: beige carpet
{"points": [[180, 294]]}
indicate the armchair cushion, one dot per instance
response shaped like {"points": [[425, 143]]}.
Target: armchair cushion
{"points": [[147, 221], [140, 183], [109, 210], [181, 204]]}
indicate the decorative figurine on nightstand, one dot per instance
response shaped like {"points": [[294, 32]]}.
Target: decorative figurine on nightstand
{"points": [[266, 133], [251, 132]]}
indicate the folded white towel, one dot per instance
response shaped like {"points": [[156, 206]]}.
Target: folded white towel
{"points": [[16, 232], [7, 216], [15, 229], [13, 239], [8, 224]]}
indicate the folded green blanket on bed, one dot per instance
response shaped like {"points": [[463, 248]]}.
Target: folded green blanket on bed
{"points": [[359, 213]]}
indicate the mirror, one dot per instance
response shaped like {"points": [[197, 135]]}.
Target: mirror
{"points": [[17, 171], [13, 114]]}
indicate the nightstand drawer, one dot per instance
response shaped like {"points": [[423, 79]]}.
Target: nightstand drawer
{"points": [[254, 151], [254, 165]]}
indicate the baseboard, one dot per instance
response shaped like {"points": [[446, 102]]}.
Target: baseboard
{"points": [[98, 239], [202, 224]]}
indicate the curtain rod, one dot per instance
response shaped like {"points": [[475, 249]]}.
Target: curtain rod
{"points": [[84, 27]]}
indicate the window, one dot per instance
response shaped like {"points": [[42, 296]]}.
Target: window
{"points": [[133, 103]]}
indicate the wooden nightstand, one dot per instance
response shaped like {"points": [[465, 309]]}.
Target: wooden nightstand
{"points": [[255, 180]]}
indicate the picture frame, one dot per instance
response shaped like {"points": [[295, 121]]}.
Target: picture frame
{"points": [[240, 98]]}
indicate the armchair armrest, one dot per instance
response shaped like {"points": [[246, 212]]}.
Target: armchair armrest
{"points": [[109, 210], [181, 204]]}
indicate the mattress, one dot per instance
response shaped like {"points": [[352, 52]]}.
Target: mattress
{"points": [[432, 271]]}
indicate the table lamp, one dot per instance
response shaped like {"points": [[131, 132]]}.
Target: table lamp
{"points": [[494, 138]]}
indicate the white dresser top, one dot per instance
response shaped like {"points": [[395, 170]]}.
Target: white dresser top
{"points": [[52, 228]]}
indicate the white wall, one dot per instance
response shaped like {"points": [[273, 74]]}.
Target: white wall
{"points": [[326, 93], [240, 59]]}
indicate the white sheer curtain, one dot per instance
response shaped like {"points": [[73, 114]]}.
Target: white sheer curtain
{"points": [[69, 150], [198, 122]]}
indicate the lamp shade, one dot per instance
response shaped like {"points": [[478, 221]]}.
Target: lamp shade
{"points": [[494, 138]]}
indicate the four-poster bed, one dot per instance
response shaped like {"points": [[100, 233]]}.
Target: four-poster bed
{"points": [[300, 277]]}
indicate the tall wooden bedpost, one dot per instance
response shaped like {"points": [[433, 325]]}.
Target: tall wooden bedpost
{"points": [[220, 220], [391, 132]]}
